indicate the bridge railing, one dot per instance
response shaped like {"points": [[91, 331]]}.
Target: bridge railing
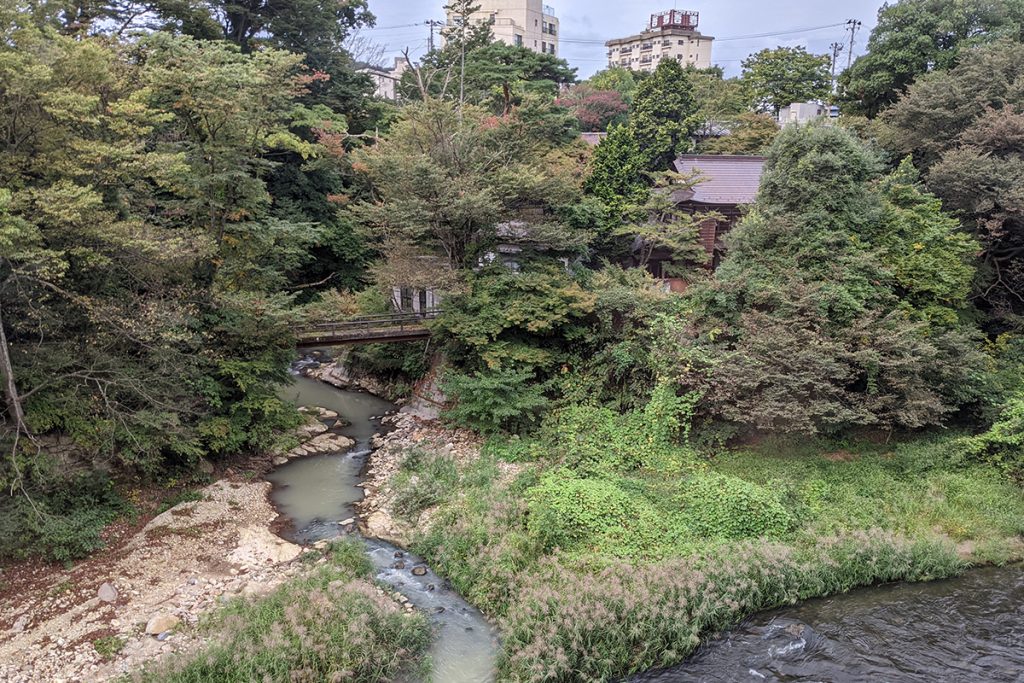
{"points": [[367, 324]]}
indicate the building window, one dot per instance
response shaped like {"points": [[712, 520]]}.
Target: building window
{"points": [[543, 46], [519, 40]]}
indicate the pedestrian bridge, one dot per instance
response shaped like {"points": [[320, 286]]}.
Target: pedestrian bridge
{"points": [[370, 329]]}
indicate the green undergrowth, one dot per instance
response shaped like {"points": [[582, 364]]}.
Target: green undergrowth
{"points": [[329, 624], [600, 563]]}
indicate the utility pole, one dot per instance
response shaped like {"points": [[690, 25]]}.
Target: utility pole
{"points": [[852, 26], [433, 23], [836, 49], [462, 66]]}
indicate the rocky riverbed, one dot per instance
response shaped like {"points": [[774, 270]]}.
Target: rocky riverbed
{"points": [[141, 598]]}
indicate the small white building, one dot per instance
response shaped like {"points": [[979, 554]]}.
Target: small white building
{"points": [[802, 112], [386, 81]]}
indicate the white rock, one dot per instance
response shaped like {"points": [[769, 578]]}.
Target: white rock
{"points": [[159, 623], [107, 593]]}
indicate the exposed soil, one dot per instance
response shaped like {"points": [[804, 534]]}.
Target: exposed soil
{"points": [[180, 563]]}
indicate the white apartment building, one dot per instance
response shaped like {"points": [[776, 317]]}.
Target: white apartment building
{"points": [[669, 35], [386, 81], [526, 23]]}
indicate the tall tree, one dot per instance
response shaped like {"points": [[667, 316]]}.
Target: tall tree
{"points": [[777, 78], [445, 177], [963, 127], [914, 37], [843, 293], [660, 127]]}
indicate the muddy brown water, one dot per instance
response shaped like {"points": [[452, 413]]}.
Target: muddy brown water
{"points": [[318, 492]]}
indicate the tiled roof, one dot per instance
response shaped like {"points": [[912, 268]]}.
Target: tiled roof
{"points": [[728, 180]]}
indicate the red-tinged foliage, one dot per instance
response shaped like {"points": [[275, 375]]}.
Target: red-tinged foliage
{"points": [[595, 109]]}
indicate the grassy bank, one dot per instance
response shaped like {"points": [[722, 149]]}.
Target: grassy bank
{"points": [[598, 566], [329, 624]]}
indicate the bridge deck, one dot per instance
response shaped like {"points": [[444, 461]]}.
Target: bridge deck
{"points": [[376, 329]]}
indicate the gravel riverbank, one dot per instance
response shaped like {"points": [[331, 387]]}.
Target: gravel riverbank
{"points": [[141, 597]]}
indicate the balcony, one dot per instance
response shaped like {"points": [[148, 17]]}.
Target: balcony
{"points": [[646, 47]]}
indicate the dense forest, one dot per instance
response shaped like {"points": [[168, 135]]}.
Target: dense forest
{"points": [[841, 402]]}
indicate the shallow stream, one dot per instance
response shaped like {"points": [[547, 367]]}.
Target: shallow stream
{"points": [[318, 492]]}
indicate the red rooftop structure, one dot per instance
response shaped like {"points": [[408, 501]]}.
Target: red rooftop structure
{"points": [[675, 18]]}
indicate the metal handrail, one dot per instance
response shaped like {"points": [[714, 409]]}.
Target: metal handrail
{"points": [[400, 321]]}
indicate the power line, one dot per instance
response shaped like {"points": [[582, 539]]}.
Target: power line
{"points": [[809, 29], [779, 33]]}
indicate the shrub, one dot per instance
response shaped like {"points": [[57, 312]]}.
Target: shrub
{"points": [[719, 505], [494, 400], [64, 521], [426, 479], [108, 646], [590, 514], [1003, 444], [599, 441]]}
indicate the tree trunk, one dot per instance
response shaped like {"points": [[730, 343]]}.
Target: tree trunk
{"points": [[10, 387]]}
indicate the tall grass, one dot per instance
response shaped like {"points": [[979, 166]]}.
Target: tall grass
{"points": [[580, 626], [329, 625]]}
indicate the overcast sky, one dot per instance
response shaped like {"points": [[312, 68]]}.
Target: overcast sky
{"points": [[586, 24]]}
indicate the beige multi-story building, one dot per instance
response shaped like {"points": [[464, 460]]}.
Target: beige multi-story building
{"points": [[526, 23], [669, 35]]}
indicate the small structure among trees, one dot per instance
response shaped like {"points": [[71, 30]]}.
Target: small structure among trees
{"points": [[726, 185]]}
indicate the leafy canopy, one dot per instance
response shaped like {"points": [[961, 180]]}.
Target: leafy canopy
{"points": [[843, 293], [915, 37], [777, 78]]}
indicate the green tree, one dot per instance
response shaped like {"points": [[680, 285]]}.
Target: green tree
{"points": [[963, 128], [666, 227], [660, 127], [915, 37], [842, 293], [750, 133], [134, 240], [445, 178], [719, 100], [620, 79], [501, 74], [777, 78]]}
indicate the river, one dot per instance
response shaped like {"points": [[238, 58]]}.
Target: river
{"points": [[317, 493], [966, 629]]}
